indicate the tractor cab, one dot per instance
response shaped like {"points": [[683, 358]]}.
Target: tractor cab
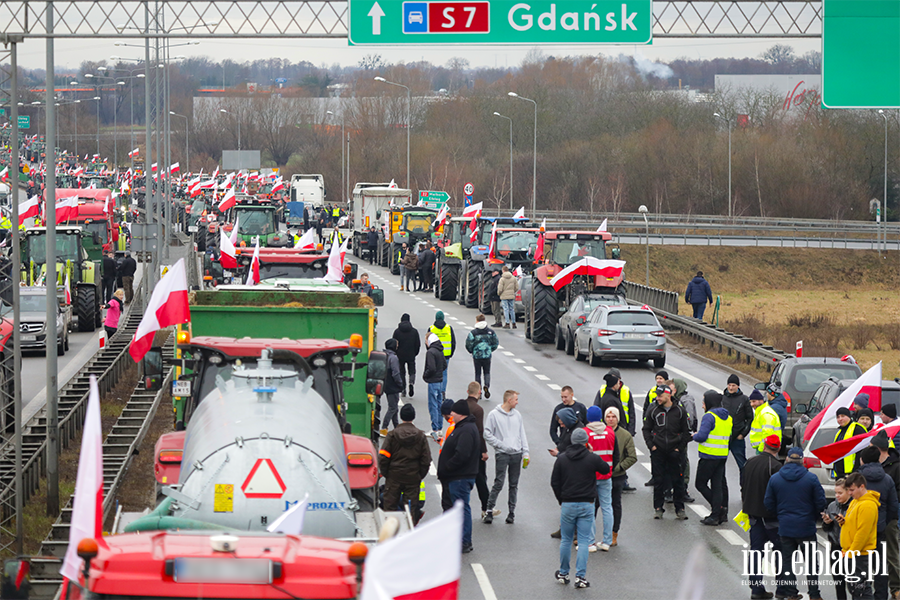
{"points": [[258, 219], [567, 247]]}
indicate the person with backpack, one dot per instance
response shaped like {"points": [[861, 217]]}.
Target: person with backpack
{"points": [[481, 343], [393, 383], [408, 346]]}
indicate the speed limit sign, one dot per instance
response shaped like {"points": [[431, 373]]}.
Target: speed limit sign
{"points": [[469, 189]]}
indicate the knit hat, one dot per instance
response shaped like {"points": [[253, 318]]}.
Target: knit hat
{"points": [[446, 407], [610, 379], [756, 395], [391, 344], [615, 371], [712, 399], [404, 317], [862, 400], [889, 410], [407, 412], [664, 374], [773, 442], [734, 379], [881, 441], [663, 389], [568, 416], [461, 407], [439, 315], [579, 437], [796, 452], [843, 411], [865, 412], [611, 409], [594, 413]]}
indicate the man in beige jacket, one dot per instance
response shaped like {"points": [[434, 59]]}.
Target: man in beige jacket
{"points": [[506, 289]]}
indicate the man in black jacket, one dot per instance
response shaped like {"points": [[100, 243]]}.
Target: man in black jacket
{"points": [[393, 383], [738, 406], [127, 271], [408, 345], [109, 276], [433, 375], [458, 463], [404, 460], [763, 524], [491, 294], [574, 483], [666, 434], [427, 268], [567, 395], [371, 243]]}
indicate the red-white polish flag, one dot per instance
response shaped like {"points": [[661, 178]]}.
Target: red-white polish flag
{"points": [[336, 262], [175, 168], [87, 508], [133, 153], [307, 240], [474, 209], [423, 564], [227, 253], [590, 266], [602, 227], [442, 216], [168, 306], [278, 185], [228, 201], [868, 383], [29, 208], [838, 450], [253, 271], [4, 174], [153, 167], [520, 214], [66, 209]]}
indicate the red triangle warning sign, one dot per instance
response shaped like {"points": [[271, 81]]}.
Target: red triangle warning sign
{"points": [[263, 481]]}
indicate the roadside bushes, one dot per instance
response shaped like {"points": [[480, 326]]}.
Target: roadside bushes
{"points": [[821, 334]]}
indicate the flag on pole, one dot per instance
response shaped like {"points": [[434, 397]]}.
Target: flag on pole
{"points": [[590, 266], [493, 240], [336, 262], [442, 216], [474, 209], [168, 306], [520, 214], [253, 271], [277, 185], [227, 201], [602, 227], [227, 253], [307, 240], [66, 209], [87, 507], [29, 208], [175, 168], [291, 520], [868, 383], [153, 167], [423, 563], [4, 174], [68, 290], [234, 233], [133, 153], [832, 453]]}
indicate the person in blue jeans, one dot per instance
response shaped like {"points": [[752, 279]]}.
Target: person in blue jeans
{"points": [[574, 483], [458, 464], [445, 334], [433, 375], [697, 294]]}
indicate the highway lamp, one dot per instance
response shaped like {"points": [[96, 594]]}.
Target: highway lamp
{"points": [[643, 210], [37, 103], [728, 123], [884, 202], [97, 98], [76, 103], [222, 110], [534, 152], [408, 120], [496, 114], [343, 186]]}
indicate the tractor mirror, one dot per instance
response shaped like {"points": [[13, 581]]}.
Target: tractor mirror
{"points": [[616, 253], [377, 296], [377, 366], [152, 369], [378, 215]]}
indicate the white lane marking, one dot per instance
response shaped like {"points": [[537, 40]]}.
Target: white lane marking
{"points": [[700, 510], [822, 539], [427, 304], [483, 582], [469, 328], [530, 369], [554, 387], [542, 377], [646, 465], [499, 347], [439, 489], [705, 384], [638, 451], [731, 537], [431, 470], [519, 361], [507, 353]]}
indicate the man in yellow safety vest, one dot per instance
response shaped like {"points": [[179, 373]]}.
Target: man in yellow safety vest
{"points": [[624, 395], [847, 429], [713, 435], [765, 421], [445, 334]]}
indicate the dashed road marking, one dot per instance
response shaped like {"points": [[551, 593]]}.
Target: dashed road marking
{"points": [[554, 387], [531, 369], [705, 384], [699, 509], [639, 452], [483, 582], [439, 489], [542, 377], [646, 465], [499, 347], [508, 353], [731, 537], [518, 361], [470, 328], [431, 470]]}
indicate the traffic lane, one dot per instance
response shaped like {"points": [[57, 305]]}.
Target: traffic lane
{"points": [[538, 512]]}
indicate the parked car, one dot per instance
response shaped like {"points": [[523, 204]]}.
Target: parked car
{"points": [[799, 378], [621, 332], [577, 316], [33, 321], [826, 393]]}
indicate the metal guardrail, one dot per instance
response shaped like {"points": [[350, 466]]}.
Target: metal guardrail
{"points": [[652, 297]]}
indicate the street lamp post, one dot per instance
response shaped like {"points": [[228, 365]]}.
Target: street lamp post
{"points": [[534, 167], [187, 141], [222, 110], [408, 121], [643, 210], [97, 98], [884, 202], [76, 103], [496, 114], [343, 187], [728, 123]]}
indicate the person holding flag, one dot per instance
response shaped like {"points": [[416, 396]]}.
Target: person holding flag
{"points": [[847, 428]]}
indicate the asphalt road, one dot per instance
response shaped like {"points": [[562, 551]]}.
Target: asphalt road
{"points": [[518, 561]]}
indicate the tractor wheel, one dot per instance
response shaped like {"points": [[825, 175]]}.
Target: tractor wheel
{"points": [[461, 280], [211, 241], [483, 303], [201, 241], [84, 307], [395, 264], [560, 339], [544, 316], [472, 285], [448, 282], [385, 253]]}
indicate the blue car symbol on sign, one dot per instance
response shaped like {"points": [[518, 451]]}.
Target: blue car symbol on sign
{"points": [[415, 17]]}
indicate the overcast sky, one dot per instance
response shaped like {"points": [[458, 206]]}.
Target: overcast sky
{"points": [[70, 53]]}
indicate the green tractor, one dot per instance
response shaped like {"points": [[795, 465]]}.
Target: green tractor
{"points": [[259, 218], [78, 258]]}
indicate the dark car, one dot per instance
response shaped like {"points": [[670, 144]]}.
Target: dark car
{"points": [[577, 315], [799, 378]]}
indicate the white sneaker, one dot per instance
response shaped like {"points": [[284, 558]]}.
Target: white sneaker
{"points": [[604, 547], [591, 548], [496, 512]]}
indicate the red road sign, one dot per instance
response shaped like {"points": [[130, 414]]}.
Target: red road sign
{"points": [[263, 481]]}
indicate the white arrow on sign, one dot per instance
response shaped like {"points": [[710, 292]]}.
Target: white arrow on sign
{"points": [[376, 13]]}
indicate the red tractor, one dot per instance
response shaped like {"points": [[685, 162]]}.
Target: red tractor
{"points": [[543, 304]]}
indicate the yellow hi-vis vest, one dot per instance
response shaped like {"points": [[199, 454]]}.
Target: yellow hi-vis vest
{"points": [[624, 397], [765, 423], [335, 212], [848, 461], [446, 338], [717, 442]]}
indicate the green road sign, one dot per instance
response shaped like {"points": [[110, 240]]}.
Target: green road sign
{"points": [[861, 53], [433, 199], [394, 22], [24, 122], [2, 112]]}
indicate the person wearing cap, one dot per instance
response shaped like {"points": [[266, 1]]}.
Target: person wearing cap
{"points": [[738, 406], [697, 294], [433, 375], [602, 442], [567, 400], [393, 384], [765, 421], [627, 459], [666, 434], [859, 534], [763, 523], [888, 416], [661, 378], [890, 462], [504, 430], [445, 334], [778, 403], [446, 409], [713, 437], [847, 428], [796, 498], [404, 460], [616, 389], [574, 483], [458, 464], [879, 481]]}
